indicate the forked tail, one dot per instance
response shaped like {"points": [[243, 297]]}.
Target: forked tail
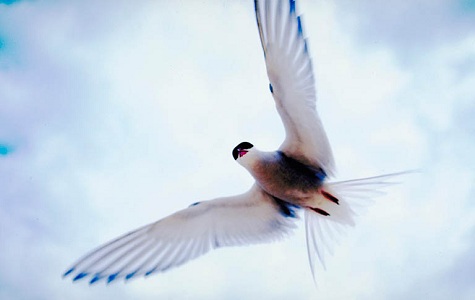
{"points": [[344, 201]]}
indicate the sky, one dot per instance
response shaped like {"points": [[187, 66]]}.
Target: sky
{"points": [[114, 114]]}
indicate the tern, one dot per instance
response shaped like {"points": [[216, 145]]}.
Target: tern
{"points": [[287, 181]]}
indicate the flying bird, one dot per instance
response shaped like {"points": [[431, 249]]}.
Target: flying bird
{"points": [[290, 180]]}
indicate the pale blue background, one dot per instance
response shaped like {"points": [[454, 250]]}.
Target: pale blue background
{"points": [[116, 113]]}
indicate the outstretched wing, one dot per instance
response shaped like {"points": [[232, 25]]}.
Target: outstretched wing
{"points": [[249, 218], [292, 84]]}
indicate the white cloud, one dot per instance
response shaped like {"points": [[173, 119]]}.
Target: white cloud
{"points": [[122, 113]]}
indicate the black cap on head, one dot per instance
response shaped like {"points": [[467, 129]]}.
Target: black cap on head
{"points": [[243, 145]]}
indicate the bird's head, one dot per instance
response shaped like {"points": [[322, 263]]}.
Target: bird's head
{"points": [[243, 152]]}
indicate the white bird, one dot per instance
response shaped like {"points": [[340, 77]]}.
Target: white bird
{"points": [[291, 179]]}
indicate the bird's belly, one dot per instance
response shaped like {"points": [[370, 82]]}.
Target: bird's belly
{"points": [[296, 191], [294, 196], [287, 179]]}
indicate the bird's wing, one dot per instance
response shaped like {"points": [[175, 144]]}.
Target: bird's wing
{"points": [[249, 218], [292, 84]]}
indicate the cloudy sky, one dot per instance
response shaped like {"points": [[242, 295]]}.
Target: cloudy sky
{"points": [[114, 114]]}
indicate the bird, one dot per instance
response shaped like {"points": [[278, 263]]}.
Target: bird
{"points": [[292, 180]]}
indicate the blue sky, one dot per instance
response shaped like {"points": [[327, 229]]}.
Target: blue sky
{"points": [[114, 114]]}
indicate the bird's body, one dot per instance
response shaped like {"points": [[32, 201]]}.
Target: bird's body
{"points": [[291, 179], [284, 177]]}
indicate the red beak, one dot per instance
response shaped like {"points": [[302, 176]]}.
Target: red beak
{"points": [[242, 152]]}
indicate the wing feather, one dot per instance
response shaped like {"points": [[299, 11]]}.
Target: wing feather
{"points": [[290, 73], [249, 218]]}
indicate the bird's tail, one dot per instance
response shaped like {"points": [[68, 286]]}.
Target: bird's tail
{"points": [[336, 208]]}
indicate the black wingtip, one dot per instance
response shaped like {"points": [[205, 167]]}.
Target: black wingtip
{"points": [[292, 6], [130, 275], [299, 25], [95, 279], [80, 276], [68, 272], [150, 272], [112, 277]]}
